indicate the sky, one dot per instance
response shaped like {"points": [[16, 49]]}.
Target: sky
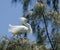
{"points": [[10, 14]]}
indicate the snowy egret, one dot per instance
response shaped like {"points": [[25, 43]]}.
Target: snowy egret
{"points": [[22, 29]]}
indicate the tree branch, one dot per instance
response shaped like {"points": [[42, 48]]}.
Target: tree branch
{"points": [[47, 32]]}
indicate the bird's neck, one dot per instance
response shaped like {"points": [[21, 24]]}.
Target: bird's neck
{"points": [[29, 27]]}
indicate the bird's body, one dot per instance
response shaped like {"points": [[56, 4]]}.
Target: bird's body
{"points": [[18, 29]]}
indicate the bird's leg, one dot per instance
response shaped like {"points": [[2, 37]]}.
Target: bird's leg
{"points": [[25, 35], [20, 35], [17, 36]]}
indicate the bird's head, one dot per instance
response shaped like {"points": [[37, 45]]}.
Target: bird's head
{"points": [[23, 20]]}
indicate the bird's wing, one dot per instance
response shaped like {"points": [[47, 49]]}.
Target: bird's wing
{"points": [[15, 29]]}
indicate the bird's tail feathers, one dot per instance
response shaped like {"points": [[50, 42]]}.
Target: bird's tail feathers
{"points": [[10, 25], [10, 28]]}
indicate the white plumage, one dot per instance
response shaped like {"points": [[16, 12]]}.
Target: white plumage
{"points": [[23, 20], [26, 28]]}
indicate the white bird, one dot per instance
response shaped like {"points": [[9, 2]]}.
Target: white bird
{"points": [[22, 29]]}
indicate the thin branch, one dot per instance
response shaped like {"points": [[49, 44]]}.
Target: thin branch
{"points": [[47, 32]]}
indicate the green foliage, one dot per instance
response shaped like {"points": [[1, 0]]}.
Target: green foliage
{"points": [[19, 44]]}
